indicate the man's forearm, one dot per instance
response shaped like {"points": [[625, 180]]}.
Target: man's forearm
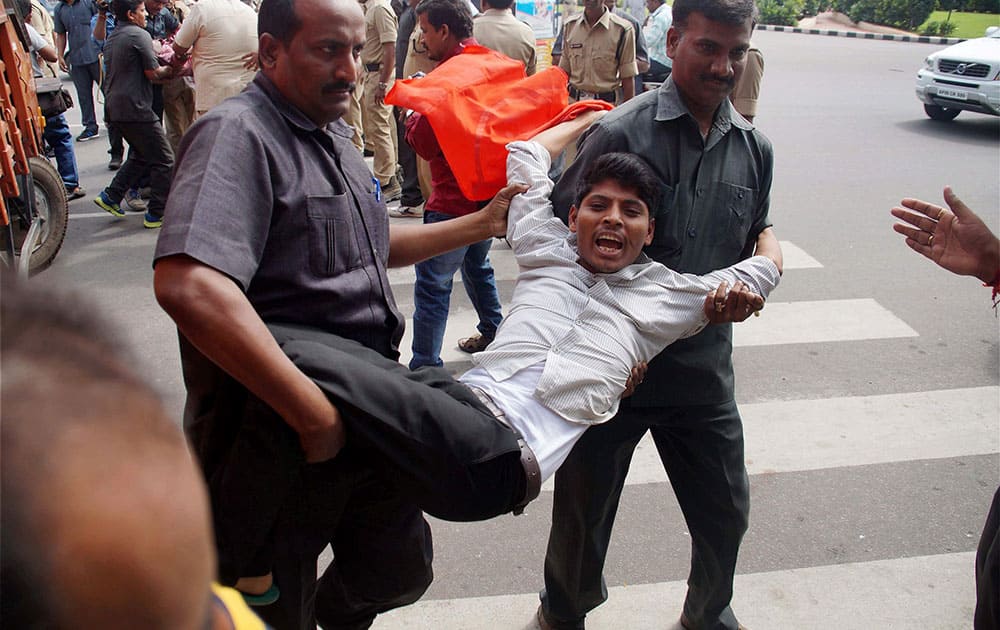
{"points": [[212, 312], [388, 68], [410, 244], [767, 245], [628, 89], [60, 44]]}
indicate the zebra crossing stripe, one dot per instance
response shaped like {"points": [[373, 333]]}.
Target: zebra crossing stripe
{"points": [[927, 591], [797, 435]]}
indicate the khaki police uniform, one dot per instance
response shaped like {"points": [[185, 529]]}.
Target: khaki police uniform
{"points": [[376, 119], [498, 30], [747, 91], [418, 61], [353, 115], [598, 58]]}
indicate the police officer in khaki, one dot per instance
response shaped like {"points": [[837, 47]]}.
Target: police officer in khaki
{"points": [[498, 29], [598, 54], [417, 61], [379, 59]]}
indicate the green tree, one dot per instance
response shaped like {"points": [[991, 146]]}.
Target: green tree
{"points": [[904, 14], [782, 12]]}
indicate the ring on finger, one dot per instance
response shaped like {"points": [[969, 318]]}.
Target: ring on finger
{"points": [[940, 214], [930, 241]]}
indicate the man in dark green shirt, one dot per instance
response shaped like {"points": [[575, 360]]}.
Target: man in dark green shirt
{"points": [[716, 173]]}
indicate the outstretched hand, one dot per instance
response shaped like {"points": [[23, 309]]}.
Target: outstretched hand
{"points": [[956, 239], [496, 210]]}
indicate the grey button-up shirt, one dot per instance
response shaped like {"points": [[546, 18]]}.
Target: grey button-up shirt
{"points": [[715, 199], [288, 210], [73, 21], [590, 329]]}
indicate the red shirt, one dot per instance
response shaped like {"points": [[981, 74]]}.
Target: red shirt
{"points": [[446, 197]]}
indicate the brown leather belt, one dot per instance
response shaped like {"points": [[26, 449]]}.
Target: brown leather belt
{"points": [[532, 472]]}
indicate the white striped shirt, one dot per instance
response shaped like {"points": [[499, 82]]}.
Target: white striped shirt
{"points": [[590, 329]]}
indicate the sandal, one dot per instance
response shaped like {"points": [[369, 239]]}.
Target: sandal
{"points": [[474, 344]]}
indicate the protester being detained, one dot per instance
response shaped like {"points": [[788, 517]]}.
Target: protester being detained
{"points": [[587, 307]]}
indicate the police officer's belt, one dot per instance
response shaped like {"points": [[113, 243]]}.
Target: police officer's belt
{"points": [[580, 95]]}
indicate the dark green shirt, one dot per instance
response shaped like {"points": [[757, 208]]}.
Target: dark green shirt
{"points": [[715, 198]]}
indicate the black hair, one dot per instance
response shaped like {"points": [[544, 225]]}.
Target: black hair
{"points": [[121, 8], [500, 4], [55, 341], [24, 7], [454, 13], [278, 19], [629, 171], [732, 12]]}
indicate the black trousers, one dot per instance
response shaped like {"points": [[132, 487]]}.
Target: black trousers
{"points": [[149, 152], [415, 434], [702, 452], [272, 512], [412, 196], [987, 616], [450, 455]]}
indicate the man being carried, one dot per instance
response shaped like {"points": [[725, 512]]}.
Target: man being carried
{"points": [[587, 308]]}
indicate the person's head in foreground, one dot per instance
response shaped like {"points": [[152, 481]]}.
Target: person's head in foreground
{"points": [[613, 213], [309, 49], [444, 23], [105, 517], [708, 43]]}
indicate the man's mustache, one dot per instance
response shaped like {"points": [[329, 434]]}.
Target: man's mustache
{"points": [[729, 81], [341, 86]]}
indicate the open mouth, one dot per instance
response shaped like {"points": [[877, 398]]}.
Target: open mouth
{"points": [[609, 244]]}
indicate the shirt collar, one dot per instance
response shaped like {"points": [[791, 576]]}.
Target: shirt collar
{"points": [[293, 114], [670, 106], [660, 9], [604, 20]]}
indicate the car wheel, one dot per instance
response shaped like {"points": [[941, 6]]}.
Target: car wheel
{"points": [[941, 113]]}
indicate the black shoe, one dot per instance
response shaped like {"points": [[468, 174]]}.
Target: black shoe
{"points": [[115, 163], [369, 153], [87, 135]]}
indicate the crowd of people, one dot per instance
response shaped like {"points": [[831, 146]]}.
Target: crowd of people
{"points": [[635, 262]]}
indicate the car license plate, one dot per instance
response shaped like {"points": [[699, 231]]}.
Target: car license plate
{"points": [[958, 95]]}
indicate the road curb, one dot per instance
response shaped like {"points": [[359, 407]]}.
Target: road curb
{"points": [[918, 39]]}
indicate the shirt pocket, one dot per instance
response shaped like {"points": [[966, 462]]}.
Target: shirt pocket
{"points": [[666, 243], [605, 63], [332, 245], [735, 204]]}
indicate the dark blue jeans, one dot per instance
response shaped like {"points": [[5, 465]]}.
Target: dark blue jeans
{"points": [[84, 78], [58, 136], [432, 295], [702, 451]]}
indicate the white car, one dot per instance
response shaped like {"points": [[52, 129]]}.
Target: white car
{"points": [[964, 76]]}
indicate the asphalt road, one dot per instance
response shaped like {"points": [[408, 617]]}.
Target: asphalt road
{"points": [[869, 387]]}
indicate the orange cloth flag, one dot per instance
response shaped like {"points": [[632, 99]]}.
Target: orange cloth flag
{"points": [[477, 102]]}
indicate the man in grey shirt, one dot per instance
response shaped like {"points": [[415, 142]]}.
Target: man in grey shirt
{"points": [[273, 217], [72, 22]]}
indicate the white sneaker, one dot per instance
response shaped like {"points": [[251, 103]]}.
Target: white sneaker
{"points": [[407, 212]]}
